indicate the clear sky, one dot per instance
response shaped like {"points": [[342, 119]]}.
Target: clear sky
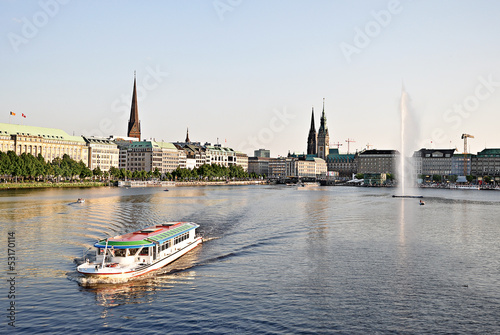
{"points": [[248, 72]]}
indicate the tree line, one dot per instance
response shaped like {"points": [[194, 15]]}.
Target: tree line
{"points": [[28, 167]]}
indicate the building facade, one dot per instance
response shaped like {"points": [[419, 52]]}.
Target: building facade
{"points": [[49, 142], [150, 155], [259, 165], [433, 161], [458, 164], [103, 153], [486, 163], [262, 153], [344, 164], [377, 161]]}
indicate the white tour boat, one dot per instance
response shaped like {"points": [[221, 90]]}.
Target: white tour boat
{"points": [[464, 187], [137, 253]]}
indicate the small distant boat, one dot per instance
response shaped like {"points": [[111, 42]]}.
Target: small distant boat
{"points": [[465, 187], [166, 190], [80, 200], [422, 203], [137, 253]]}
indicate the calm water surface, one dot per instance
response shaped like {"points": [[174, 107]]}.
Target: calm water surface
{"points": [[276, 260]]}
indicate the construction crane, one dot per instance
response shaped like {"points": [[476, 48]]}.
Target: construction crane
{"points": [[337, 144], [349, 140], [465, 137]]}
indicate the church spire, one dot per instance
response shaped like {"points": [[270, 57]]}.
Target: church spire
{"points": [[323, 137], [134, 125], [187, 136], [311, 139]]}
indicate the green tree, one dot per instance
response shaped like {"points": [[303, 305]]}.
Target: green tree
{"points": [[157, 173], [97, 172]]}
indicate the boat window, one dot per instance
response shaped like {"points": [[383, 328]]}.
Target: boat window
{"points": [[144, 252], [132, 251], [120, 253]]}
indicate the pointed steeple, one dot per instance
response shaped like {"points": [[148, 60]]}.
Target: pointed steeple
{"points": [[323, 137], [311, 139], [187, 136], [312, 121], [134, 125], [323, 128]]}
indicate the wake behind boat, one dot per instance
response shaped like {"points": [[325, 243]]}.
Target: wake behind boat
{"points": [[137, 253]]}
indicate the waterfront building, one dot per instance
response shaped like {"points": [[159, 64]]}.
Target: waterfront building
{"points": [[103, 153], [377, 161], [486, 163], [242, 160], [134, 125], [277, 167], [181, 158], [262, 153], [259, 165], [195, 155], [49, 142], [457, 164], [434, 162], [151, 155], [344, 164], [123, 144], [311, 167], [306, 166], [217, 154]]}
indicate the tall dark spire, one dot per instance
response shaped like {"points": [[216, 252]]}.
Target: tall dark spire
{"points": [[187, 136], [311, 139], [134, 125], [323, 136]]}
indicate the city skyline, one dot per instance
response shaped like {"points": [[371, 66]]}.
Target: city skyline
{"points": [[248, 73]]}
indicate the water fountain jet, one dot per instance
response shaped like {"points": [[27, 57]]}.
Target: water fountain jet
{"points": [[406, 180]]}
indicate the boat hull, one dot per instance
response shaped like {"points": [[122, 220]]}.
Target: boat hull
{"points": [[96, 271]]}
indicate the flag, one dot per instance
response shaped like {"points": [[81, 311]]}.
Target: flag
{"points": [[11, 113], [24, 116]]}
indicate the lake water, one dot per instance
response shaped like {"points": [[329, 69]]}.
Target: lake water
{"points": [[276, 260]]}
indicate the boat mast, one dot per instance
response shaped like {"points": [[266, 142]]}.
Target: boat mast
{"points": [[104, 256]]}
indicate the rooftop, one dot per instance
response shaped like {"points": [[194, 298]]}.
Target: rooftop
{"points": [[47, 133]]}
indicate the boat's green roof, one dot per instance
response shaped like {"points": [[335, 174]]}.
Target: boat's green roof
{"points": [[148, 240]]}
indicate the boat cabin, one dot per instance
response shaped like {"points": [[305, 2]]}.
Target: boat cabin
{"points": [[147, 245]]}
